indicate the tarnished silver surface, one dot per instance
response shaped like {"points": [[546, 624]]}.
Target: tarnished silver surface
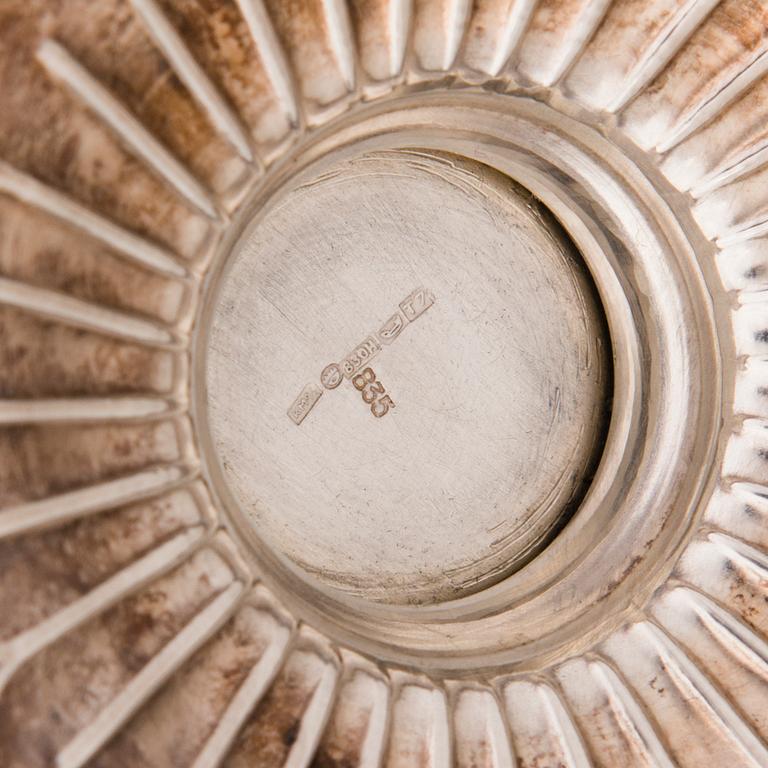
{"points": [[383, 383]]}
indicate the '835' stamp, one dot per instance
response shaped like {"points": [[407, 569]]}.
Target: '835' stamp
{"points": [[355, 366]]}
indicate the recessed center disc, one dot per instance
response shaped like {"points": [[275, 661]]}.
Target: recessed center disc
{"points": [[408, 377]]}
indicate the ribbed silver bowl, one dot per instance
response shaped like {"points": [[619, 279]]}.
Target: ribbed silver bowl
{"points": [[384, 383]]}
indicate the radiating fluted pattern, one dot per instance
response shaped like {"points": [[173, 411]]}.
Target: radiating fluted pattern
{"points": [[131, 633]]}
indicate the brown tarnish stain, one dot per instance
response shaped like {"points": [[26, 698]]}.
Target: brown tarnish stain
{"points": [[478, 754], [639, 19], [39, 358], [717, 51], [734, 29], [43, 572], [341, 750], [41, 461], [271, 730], [219, 39], [550, 27], [536, 744], [342, 742], [607, 739], [690, 736], [302, 27], [340, 755], [669, 703], [63, 688], [739, 678], [730, 134], [555, 18], [202, 689], [487, 19], [602, 726], [538, 750], [412, 719], [45, 131], [431, 22], [603, 729], [542, 759], [611, 586], [624, 36], [748, 600], [39, 250], [115, 47], [370, 22]]}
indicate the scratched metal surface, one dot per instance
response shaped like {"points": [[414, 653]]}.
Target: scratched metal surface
{"points": [[488, 413], [383, 383]]}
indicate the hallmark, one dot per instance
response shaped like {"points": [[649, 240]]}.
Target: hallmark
{"points": [[411, 307], [362, 354], [331, 376], [417, 303], [392, 328], [304, 403], [373, 392]]}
